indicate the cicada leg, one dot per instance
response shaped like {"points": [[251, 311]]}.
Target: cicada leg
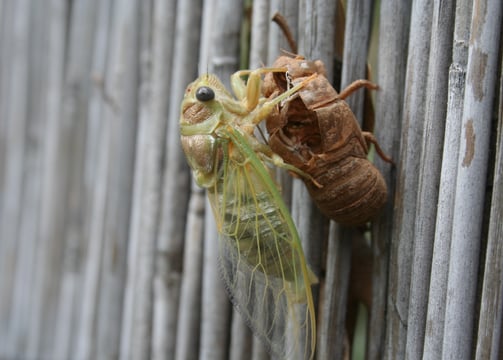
{"points": [[249, 91], [355, 85], [266, 154], [268, 106]]}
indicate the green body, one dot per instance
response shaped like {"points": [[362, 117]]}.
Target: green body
{"points": [[262, 262]]}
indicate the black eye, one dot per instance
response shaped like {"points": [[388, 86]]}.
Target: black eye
{"points": [[205, 93]]}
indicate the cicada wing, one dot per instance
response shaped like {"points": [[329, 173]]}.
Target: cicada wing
{"points": [[262, 262]]}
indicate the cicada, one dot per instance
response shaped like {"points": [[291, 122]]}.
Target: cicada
{"points": [[261, 257]]}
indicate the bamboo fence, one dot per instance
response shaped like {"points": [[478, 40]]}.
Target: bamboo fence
{"points": [[108, 249]]}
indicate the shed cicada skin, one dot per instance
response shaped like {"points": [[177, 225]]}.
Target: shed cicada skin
{"points": [[261, 258], [318, 133]]}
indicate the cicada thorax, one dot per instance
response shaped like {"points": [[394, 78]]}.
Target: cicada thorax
{"points": [[318, 133]]}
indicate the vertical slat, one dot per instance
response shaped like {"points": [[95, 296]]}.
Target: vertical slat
{"points": [[176, 187], [187, 340], [15, 88], [150, 142], [357, 39], [392, 55], [259, 33], [429, 173], [97, 169], [443, 226], [407, 184], [54, 180], [471, 180], [74, 113], [121, 111], [120, 95], [490, 330], [354, 66], [333, 295]]}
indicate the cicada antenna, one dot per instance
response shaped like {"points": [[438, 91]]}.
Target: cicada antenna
{"points": [[283, 25]]}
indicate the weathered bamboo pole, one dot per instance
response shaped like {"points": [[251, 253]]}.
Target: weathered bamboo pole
{"points": [[356, 46], [187, 334], [392, 55], [471, 180], [490, 330], [443, 225], [54, 181], [121, 97], [170, 241], [14, 91], [407, 184], [429, 173], [354, 66], [259, 33], [333, 296], [77, 165], [89, 331]]}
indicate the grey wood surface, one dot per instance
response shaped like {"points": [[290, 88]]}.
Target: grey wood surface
{"points": [[109, 250]]}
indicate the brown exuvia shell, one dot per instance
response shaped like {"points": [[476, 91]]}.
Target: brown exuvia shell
{"points": [[318, 133]]}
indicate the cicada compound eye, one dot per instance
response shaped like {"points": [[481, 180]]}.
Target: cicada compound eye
{"points": [[205, 93]]}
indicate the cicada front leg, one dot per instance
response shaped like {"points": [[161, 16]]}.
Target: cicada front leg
{"points": [[249, 92]]}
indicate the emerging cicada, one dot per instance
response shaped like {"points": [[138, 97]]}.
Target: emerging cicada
{"points": [[262, 262]]}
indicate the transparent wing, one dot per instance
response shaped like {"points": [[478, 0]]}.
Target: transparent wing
{"points": [[262, 262]]}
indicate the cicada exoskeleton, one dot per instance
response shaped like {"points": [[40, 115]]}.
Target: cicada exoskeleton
{"points": [[318, 133]]}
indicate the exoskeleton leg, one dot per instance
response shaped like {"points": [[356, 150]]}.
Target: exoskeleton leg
{"points": [[355, 85], [370, 138]]}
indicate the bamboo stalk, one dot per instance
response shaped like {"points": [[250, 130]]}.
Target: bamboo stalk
{"points": [[148, 182], [491, 309], [122, 100], [54, 181], [216, 308], [15, 89], [259, 33], [28, 36], [333, 295], [392, 55], [187, 341], [170, 241], [471, 180], [443, 226], [75, 114], [406, 190], [356, 39], [429, 173], [354, 66]]}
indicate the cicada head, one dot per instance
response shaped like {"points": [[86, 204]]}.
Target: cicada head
{"points": [[201, 113], [298, 68]]}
